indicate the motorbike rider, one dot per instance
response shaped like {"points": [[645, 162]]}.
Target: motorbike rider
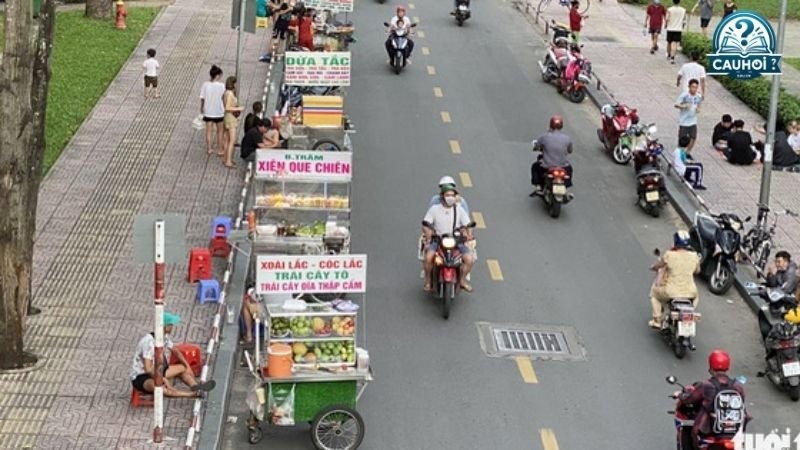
{"points": [[713, 410], [448, 181], [555, 147], [783, 273], [455, 6], [681, 263], [400, 20], [445, 218]]}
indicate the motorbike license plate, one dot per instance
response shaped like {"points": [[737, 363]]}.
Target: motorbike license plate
{"points": [[652, 196], [463, 8], [687, 328], [791, 369], [559, 189]]}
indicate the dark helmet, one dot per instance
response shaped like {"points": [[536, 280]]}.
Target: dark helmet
{"points": [[681, 239], [719, 361], [556, 122]]}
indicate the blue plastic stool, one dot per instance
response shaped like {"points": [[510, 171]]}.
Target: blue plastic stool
{"points": [[223, 221], [208, 291]]}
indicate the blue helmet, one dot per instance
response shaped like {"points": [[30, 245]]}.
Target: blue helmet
{"points": [[680, 239]]}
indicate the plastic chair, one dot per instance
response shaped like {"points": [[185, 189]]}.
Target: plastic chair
{"points": [[208, 291]]}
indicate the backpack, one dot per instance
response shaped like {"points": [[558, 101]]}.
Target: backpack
{"points": [[727, 408]]}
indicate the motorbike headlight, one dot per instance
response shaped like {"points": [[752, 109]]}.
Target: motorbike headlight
{"points": [[448, 242], [736, 226]]}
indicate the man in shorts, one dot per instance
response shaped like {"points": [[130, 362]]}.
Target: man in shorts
{"points": [[689, 105], [676, 21], [706, 12], [282, 15], [654, 23], [143, 368]]}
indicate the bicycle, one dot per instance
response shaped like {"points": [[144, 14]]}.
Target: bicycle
{"points": [[757, 243]]}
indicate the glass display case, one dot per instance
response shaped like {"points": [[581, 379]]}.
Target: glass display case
{"points": [[320, 335]]}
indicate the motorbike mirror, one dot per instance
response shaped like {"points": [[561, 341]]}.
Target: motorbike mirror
{"points": [[657, 252], [413, 25], [741, 379], [671, 379], [747, 219], [472, 225], [386, 24]]}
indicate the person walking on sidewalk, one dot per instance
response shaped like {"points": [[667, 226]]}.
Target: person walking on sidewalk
{"points": [[692, 70], [728, 8], [690, 170], [706, 12], [689, 105], [212, 109], [575, 21], [151, 67], [676, 21], [654, 23]]}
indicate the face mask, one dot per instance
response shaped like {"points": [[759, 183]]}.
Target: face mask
{"points": [[450, 201]]}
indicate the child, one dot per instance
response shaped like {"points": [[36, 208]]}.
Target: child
{"points": [[728, 8], [689, 169], [151, 67], [250, 119]]}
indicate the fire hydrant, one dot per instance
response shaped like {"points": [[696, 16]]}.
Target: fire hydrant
{"points": [[122, 13]]}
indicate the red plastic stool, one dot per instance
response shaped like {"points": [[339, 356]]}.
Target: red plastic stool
{"points": [[199, 265], [139, 399], [193, 355], [219, 246]]}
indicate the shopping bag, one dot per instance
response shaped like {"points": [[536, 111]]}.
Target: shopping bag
{"points": [[255, 400], [281, 405], [197, 123]]}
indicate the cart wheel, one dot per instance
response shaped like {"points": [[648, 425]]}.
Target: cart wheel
{"points": [[337, 428], [254, 435]]}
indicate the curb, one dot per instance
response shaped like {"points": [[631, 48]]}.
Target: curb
{"points": [[681, 197]]}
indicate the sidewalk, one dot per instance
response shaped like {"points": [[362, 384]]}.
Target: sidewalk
{"points": [[129, 157], [621, 60]]}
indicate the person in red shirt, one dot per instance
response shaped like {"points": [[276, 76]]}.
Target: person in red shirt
{"points": [[654, 23], [575, 19], [303, 25]]}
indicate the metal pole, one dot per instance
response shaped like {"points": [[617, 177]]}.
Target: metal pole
{"points": [[766, 171], [158, 400], [239, 44]]}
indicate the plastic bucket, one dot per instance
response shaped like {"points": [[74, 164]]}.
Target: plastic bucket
{"points": [[279, 361]]}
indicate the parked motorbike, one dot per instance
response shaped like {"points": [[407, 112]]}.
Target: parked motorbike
{"points": [[567, 69], [685, 416], [781, 340], [554, 190], [650, 187], [462, 12], [679, 324], [400, 45], [616, 120], [717, 239], [446, 276]]}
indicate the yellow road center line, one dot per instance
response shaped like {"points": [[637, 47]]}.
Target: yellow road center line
{"points": [[421, 34], [437, 91], [411, 6], [548, 439], [426, 51], [478, 218], [445, 117], [466, 180], [431, 70], [494, 269], [455, 147], [525, 367]]}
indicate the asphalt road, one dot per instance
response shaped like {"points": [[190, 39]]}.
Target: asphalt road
{"points": [[435, 387]]}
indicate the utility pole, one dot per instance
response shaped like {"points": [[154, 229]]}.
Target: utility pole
{"points": [[240, 30]]}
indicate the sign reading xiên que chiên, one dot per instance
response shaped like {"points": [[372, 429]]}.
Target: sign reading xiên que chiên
{"points": [[317, 68], [311, 274], [303, 164]]}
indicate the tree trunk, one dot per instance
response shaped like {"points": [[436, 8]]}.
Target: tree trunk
{"points": [[24, 75], [99, 9]]}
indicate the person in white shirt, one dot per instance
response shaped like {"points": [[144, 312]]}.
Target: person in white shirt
{"points": [[444, 219], [400, 21], [212, 108], [794, 136], [151, 67], [692, 70], [676, 21]]}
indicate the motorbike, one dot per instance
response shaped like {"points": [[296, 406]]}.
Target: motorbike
{"points": [[616, 120], [446, 276], [554, 191], [567, 69], [650, 187], [679, 324], [685, 416], [462, 12], [781, 341], [400, 44], [717, 239]]}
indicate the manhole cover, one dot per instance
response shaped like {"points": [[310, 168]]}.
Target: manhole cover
{"points": [[599, 38], [536, 341]]}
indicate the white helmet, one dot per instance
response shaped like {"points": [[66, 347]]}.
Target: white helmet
{"points": [[447, 180]]}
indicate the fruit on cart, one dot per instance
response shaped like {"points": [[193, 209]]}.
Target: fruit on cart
{"points": [[280, 326], [299, 348], [318, 324], [343, 326], [301, 326], [310, 358], [318, 229]]}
